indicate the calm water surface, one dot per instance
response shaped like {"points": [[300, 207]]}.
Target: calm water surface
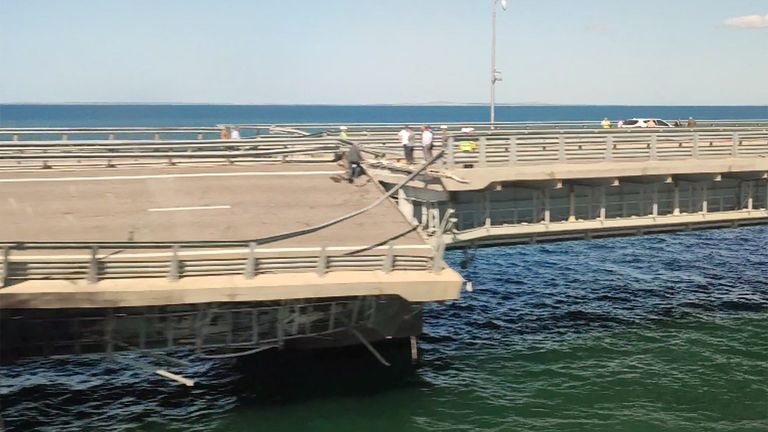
{"points": [[657, 333]]}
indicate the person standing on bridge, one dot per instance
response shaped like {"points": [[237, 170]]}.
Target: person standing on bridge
{"points": [[427, 137], [691, 122], [354, 162], [343, 133], [606, 124], [406, 139], [235, 134]]}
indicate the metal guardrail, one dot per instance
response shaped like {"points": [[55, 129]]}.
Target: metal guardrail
{"points": [[172, 152], [98, 261], [487, 148], [494, 150]]}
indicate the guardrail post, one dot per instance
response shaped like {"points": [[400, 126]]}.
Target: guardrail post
{"points": [[93, 266], [608, 147], [64, 137], [561, 148], [322, 262], [482, 159], [15, 137], [513, 151], [437, 261], [736, 142], [157, 137], [250, 263], [389, 259], [5, 270], [174, 269], [654, 147], [450, 152], [695, 145]]}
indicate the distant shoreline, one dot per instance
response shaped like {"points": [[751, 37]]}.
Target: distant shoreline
{"points": [[427, 104]]}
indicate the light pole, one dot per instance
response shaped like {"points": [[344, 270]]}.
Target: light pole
{"points": [[495, 75]]}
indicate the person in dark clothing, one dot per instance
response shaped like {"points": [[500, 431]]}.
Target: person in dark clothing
{"points": [[354, 160]]}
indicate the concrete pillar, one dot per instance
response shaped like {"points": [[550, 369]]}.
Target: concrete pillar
{"points": [[449, 153], [478, 211], [433, 216], [602, 203], [623, 203], [405, 205], [655, 205], [487, 208], [766, 195], [676, 199], [482, 154], [513, 151], [571, 203], [695, 145], [547, 212]]}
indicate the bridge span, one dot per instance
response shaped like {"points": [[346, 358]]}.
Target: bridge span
{"points": [[219, 259], [121, 240]]}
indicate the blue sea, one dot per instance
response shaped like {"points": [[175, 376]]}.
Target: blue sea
{"points": [[657, 333], [210, 115]]}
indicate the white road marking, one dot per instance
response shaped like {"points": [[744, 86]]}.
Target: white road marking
{"points": [[189, 208], [164, 176]]}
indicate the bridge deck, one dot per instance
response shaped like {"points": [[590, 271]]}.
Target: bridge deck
{"points": [[195, 203]]}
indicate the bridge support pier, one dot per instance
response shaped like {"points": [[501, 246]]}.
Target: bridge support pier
{"points": [[676, 198], [571, 203]]}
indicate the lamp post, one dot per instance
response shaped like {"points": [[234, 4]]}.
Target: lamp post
{"points": [[495, 74]]}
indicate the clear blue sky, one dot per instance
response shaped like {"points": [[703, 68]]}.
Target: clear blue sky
{"points": [[383, 51]]}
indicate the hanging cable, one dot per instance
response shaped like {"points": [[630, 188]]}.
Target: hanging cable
{"points": [[315, 228]]}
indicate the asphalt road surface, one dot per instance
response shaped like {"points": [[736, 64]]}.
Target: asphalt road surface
{"points": [[195, 204]]}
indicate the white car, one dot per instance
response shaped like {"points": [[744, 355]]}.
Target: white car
{"points": [[643, 122]]}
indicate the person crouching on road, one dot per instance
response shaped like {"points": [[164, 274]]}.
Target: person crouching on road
{"points": [[427, 137], [406, 139], [354, 163]]}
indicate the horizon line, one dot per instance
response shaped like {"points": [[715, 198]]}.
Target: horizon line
{"points": [[402, 104]]}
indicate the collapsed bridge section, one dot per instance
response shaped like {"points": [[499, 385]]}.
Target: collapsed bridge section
{"points": [[95, 260]]}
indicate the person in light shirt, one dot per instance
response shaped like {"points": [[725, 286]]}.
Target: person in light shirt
{"points": [[427, 137], [235, 134], [406, 139]]}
